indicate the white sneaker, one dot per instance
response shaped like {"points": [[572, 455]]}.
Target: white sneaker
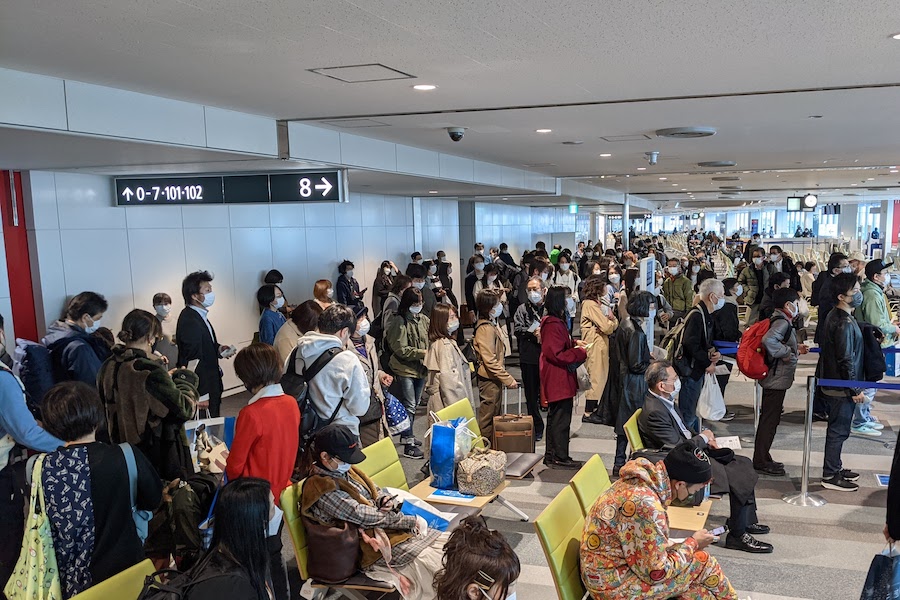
{"points": [[866, 430], [875, 425]]}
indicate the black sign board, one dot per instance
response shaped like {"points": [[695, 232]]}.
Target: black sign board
{"points": [[319, 186]]}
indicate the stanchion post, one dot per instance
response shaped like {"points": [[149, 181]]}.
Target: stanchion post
{"points": [[804, 498], [757, 401]]}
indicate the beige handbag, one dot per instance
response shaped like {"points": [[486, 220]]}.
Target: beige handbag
{"points": [[481, 472]]}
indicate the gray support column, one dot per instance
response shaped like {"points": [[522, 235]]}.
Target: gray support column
{"points": [[626, 208]]}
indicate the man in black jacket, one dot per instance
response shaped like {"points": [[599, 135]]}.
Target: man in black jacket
{"points": [[661, 427], [783, 264], [196, 338], [700, 357], [822, 297], [527, 327], [842, 358]]}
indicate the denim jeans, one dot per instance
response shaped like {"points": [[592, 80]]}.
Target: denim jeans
{"points": [[410, 392], [862, 413], [687, 402], [840, 414]]}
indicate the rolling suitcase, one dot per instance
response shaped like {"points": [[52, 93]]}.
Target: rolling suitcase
{"points": [[513, 432]]}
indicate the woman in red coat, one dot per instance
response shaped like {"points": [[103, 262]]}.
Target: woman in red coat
{"points": [[560, 355]]}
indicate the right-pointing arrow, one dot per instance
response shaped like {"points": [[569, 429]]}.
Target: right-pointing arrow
{"points": [[325, 186]]}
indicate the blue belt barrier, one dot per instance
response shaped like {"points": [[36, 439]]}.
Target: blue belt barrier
{"points": [[843, 383]]}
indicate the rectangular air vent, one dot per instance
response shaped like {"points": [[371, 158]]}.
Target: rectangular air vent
{"points": [[362, 73], [355, 123], [625, 138]]}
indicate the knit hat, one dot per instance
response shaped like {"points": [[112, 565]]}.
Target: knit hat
{"points": [[688, 463]]}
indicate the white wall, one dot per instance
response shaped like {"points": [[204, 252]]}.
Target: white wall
{"points": [[522, 226], [438, 229], [79, 240]]}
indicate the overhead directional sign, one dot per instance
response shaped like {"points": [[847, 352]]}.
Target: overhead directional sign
{"points": [[319, 186]]}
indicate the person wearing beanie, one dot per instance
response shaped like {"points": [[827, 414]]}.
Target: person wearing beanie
{"points": [[625, 549], [662, 427]]}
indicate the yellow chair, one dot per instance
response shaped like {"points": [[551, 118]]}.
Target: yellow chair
{"points": [[355, 587], [559, 530], [590, 482], [382, 465], [632, 432], [126, 585], [463, 408]]}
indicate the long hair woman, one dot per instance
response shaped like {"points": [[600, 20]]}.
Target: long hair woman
{"points": [[598, 322], [479, 564]]}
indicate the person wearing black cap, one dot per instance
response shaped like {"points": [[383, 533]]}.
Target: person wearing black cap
{"points": [[625, 549], [876, 311], [336, 494], [662, 427]]}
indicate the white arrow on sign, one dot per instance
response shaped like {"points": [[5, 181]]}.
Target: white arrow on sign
{"points": [[128, 194], [325, 186]]}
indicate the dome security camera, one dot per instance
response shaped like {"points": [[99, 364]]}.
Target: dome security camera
{"points": [[456, 133]]}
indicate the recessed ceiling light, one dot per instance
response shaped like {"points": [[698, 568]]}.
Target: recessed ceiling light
{"points": [[573, 143], [716, 163], [506, 198], [894, 171], [605, 155], [686, 132], [543, 130], [871, 179], [432, 191], [852, 184], [814, 117], [424, 87], [675, 184], [663, 178], [642, 168], [896, 36]]}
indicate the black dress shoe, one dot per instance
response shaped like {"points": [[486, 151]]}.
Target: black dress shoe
{"points": [[747, 543], [770, 469], [758, 529], [592, 418], [571, 465], [818, 417]]}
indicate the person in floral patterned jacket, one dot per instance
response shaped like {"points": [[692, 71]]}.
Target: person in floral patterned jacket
{"points": [[625, 548]]}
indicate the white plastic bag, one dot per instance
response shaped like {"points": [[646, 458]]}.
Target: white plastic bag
{"points": [[711, 405]]}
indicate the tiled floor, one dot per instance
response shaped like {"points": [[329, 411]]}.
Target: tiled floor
{"points": [[820, 553]]}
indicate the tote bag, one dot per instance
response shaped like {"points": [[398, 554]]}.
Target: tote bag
{"points": [[36, 575], [711, 405]]}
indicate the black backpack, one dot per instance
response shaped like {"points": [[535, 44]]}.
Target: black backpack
{"points": [[169, 584], [297, 385]]}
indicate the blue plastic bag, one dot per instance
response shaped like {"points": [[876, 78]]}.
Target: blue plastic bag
{"points": [[450, 443], [883, 580], [414, 508]]}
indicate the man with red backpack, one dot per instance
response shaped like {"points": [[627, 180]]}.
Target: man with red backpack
{"points": [[779, 344]]}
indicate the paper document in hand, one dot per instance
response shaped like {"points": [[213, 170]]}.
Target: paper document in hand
{"points": [[731, 441]]}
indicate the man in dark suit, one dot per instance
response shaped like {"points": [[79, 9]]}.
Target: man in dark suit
{"points": [[196, 338], [661, 427]]}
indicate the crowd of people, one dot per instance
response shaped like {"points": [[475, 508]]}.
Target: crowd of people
{"points": [[78, 394]]}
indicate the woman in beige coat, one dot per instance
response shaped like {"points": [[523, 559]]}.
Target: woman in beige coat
{"points": [[597, 324], [449, 376], [491, 352]]}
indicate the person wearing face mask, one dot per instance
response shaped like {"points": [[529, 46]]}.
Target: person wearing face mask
{"points": [[407, 340], [472, 277], [303, 319], [197, 339], [414, 259], [579, 252], [776, 281], [338, 494], [76, 355], [381, 287], [821, 291], [560, 354], [506, 257], [490, 347], [270, 299], [841, 358], [340, 388], [782, 352], [266, 440], [449, 377], [347, 289], [783, 264], [754, 243], [165, 346], [478, 253], [527, 328], [372, 425], [874, 310], [626, 552], [147, 406], [857, 263], [323, 293], [419, 276], [755, 279], [699, 355], [586, 263], [565, 275], [808, 275], [444, 276], [661, 426], [615, 286], [677, 289], [479, 564], [598, 322], [727, 327]]}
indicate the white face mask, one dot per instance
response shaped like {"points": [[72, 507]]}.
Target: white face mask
{"points": [[363, 328], [673, 271], [387, 270], [544, 276], [615, 278], [652, 316], [432, 269], [163, 310], [563, 267], [329, 293], [535, 296], [677, 387], [719, 304], [279, 302], [415, 309], [739, 290], [775, 257], [418, 261], [452, 326], [597, 271], [492, 279], [498, 310], [418, 284], [695, 269], [342, 467], [847, 269], [758, 260], [479, 266], [208, 299], [570, 305], [94, 326]]}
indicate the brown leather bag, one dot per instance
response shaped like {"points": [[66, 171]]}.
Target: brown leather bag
{"points": [[336, 556]]}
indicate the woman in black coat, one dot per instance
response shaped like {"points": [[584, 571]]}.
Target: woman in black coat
{"points": [[633, 358]]}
